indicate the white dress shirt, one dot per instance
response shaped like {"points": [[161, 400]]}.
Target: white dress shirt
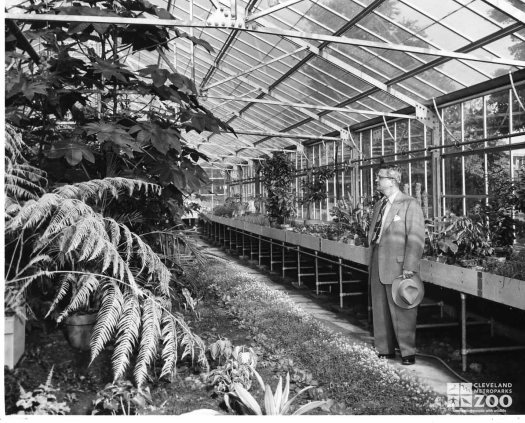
{"points": [[389, 203]]}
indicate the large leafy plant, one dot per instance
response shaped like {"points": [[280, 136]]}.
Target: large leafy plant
{"points": [[277, 174], [59, 235], [87, 115]]}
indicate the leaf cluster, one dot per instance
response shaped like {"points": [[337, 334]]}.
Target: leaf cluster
{"points": [[41, 401], [121, 398], [60, 236]]}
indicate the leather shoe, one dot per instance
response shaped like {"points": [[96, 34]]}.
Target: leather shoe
{"points": [[386, 355], [408, 360]]}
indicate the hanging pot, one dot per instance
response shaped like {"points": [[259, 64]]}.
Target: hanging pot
{"points": [[78, 329]]}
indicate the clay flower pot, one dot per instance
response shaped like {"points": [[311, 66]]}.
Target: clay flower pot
{"points": [[78, 329]]}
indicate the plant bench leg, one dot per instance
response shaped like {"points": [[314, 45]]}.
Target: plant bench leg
{"points": [[463, 331], [260, 249], [298, 265], [316, 264]]}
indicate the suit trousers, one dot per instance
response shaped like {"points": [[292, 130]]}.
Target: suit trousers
{"points": [[390, 321]]}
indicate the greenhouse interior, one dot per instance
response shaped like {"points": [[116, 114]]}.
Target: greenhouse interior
{"points": [[264, 207]]}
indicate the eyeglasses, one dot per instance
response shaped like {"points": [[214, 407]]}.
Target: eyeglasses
{"points": [[384, 177]]}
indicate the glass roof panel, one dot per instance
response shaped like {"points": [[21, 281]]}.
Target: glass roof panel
{"points": [[446, 24], [438, 9]]}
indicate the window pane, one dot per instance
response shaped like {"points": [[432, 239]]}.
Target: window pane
{"points": [[498, 115], [452, 121], [389, 144], [499, 164], [454, 206], [365, 146], [473, 117], [474, 174], [452, 172], [416, 137], [518, 114], [402, 138], [376, 143]]}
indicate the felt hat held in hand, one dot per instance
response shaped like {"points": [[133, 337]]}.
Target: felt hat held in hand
{"points": [[408, 293]]}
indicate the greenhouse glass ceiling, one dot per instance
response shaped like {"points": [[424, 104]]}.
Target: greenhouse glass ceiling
{"points": [[289, 71]]}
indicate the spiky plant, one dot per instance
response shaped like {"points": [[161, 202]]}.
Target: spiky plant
{"points": [[61, 235]]}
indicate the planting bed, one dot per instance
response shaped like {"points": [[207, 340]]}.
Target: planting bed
{"points": [[247, 313]]}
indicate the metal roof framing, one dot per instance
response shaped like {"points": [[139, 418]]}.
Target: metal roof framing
{"points": [[305, 43]]}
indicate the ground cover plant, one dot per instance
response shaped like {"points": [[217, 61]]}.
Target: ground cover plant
{"points": [[236, 317], [349, 374]]}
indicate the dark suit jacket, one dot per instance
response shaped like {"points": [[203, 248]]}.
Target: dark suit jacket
{"points": [[402, 240]]}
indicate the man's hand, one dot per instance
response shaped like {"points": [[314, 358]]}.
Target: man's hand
{"points": [[407, 274]]}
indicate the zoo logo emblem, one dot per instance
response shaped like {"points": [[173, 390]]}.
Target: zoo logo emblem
{"points": [[490, 397], [459, 394]]}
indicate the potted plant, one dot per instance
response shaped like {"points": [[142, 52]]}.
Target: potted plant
{"points": [[277, 174], [314, 187]]}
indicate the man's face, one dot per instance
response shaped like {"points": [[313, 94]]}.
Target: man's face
{"points": [[383, 181]]}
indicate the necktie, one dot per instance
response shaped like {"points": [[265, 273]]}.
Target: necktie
{"points": [[379, 220]]}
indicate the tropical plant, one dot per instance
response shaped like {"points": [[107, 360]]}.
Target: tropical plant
{"points": [[121, 397], [276, 403], [86, 115], [462, 237], [354, 222], [277, 174], [236, 370], [314, 186], [41, 400], [222, 348], [60, 235]]}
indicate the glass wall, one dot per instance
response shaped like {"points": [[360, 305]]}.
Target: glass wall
{"points": [[482, 139]]}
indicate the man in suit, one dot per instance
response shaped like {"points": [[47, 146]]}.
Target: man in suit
{"points": [[396, 239]]}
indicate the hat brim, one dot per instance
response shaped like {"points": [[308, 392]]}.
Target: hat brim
{"points": [[396, 285]]}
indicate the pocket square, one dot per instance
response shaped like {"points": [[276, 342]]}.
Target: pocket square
{"points": [[396, 218]]}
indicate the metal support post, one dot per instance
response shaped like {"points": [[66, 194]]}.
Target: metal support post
{"points": [[260, 249], [283, 258], [340, 279], [271, 256], [316, 271], [464, 351], [298, 265]]}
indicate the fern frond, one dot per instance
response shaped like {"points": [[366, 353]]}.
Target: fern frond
{"points": [[65, 285], [22, 181], [67, 213], [107, 318], [88, 285], [96, 189], [20, 188], [11, 207], [49, 377], [169, 345], [150, 334], [152, 261], [127, 335], [127, 218], [113, 229], [34, 213]]}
